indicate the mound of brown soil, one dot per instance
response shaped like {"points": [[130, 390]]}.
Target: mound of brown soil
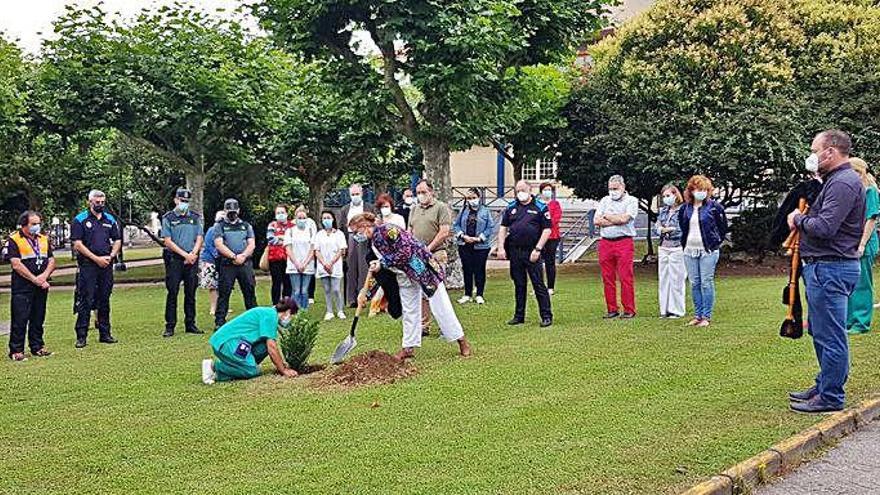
{"points": [[370, 368]]}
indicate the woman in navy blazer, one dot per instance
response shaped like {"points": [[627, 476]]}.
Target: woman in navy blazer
{"points": [[473, 230]]}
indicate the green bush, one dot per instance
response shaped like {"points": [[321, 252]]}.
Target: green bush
{"points": [[297, 341], [750, 231]]}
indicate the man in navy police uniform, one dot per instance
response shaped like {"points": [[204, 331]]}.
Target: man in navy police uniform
{"points": [[96, 239]]}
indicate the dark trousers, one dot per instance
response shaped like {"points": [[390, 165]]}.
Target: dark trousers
{"points": [[312, 283], [473, 265], [520, 269], [28, 315], [93, 288], [229, 273], [280, 280], [549, 256], [177, 271]]}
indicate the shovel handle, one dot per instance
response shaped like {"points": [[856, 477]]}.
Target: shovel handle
{"points": [[367, 283]]}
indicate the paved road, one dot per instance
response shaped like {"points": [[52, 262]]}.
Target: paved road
{"points": [[853, 468], [71, 271]]}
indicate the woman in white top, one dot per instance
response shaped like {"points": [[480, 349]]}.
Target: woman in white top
{"points": [[329, 245], [300, 258], [385, 207]]}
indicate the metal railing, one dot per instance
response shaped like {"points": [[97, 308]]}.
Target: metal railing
{"points": [[489, 194], [582, 228]]}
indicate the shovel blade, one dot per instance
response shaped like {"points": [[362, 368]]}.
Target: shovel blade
{"points": [[343, 349]]}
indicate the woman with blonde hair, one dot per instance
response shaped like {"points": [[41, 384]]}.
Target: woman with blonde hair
{"points": [[703, 226], [670, 257], [860, 306]]}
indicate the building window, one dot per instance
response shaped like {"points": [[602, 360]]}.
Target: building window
{"points": [[543, 169]]}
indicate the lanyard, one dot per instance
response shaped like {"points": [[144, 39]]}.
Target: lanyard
{"points": [[35, 245]]}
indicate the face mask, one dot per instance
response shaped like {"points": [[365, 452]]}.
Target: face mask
{"points": [[475, 203], [548, 193], [408, 200], [300, 223], [231, 216], [812, 163], [523, 196], [357, 200], [700, 195], [385, 211], [328, 223], [34, 229], [281, 217], [98, 208], [423, 198], [668, 200], [358, 237], [285, 322], [182, 207], [615, 194]]}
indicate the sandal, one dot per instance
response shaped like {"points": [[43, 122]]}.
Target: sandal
{"points": [[18, 356], [42, 352]]}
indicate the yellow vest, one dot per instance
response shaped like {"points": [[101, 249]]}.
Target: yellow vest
{"points": [[26, 250]]}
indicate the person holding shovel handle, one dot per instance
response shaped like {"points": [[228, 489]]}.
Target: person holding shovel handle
{"points": [[417, 273]]}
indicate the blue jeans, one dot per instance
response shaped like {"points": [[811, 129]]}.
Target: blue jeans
{"points": [[829, 285], [701, 273], [300, 289]]}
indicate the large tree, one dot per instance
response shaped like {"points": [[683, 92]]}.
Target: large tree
{"points": [[730, 88], [454, 53], [192, 88]]}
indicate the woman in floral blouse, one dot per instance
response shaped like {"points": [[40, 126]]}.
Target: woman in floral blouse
{"points": [[417, 273]]}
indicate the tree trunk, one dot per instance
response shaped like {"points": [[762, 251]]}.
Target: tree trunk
{"points": [[317, 190], [195, 181], [436, 160], [517, 164]]}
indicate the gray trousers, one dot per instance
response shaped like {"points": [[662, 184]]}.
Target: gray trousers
{"points": [[357, 269]]}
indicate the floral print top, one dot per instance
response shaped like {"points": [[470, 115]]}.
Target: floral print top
{"points": [[399, 249]]}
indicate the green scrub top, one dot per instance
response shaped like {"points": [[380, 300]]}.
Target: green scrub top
{"points": [[872, 210], [253, 326]]}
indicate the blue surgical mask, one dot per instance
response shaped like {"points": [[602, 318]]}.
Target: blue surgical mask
{"points": [[358, 237], [474, 203], [183, 207], [285, 322], [700, 195], [35, 229], [281, 217], [668, 200], [300, 223], [328, 224], [548, 193]]}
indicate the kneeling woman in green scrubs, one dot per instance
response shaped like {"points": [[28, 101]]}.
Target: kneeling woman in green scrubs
{"points": [[244, 342]]}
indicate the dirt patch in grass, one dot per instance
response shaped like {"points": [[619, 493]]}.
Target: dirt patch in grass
{"points": [[370, 368]]}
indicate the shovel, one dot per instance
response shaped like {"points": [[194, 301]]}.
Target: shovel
{"points": [[350, 342], [792, 327]]}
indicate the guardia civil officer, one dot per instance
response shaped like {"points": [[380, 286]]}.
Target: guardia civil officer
{"points": [[234, 240], [525, 228], [32, 263], [96, 239], [182, 234]]}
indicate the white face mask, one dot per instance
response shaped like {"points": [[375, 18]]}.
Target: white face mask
{"points": [[548, 193], [474, 203], [523, 196], [812, 163], [615, 194], [423, 198], [700, 195], [668, 200], [385, 211], [408, 200], [357, 200]]}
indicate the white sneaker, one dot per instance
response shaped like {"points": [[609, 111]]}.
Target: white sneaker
{"points": [[550, 291], [208, 375], [311, 301], [328, 316], [464, 299], [480, 300], [340, 315]]}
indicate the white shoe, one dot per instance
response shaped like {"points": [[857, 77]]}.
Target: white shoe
{"points": [[311, 301], [208, 375], [340, 315], [550, 291], [480, 300], [328, 316], [464, 299]]}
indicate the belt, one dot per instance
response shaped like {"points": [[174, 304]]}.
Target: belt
{"points": [[615, 239], [826, 259]]}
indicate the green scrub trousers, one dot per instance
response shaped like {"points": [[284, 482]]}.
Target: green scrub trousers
{"points": [[231, 366], [860, 307]]}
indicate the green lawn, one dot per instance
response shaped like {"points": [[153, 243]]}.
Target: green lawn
{"points": [[590, 406]]}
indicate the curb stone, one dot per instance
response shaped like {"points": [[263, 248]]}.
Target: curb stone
{"points": [[749, 474]]}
